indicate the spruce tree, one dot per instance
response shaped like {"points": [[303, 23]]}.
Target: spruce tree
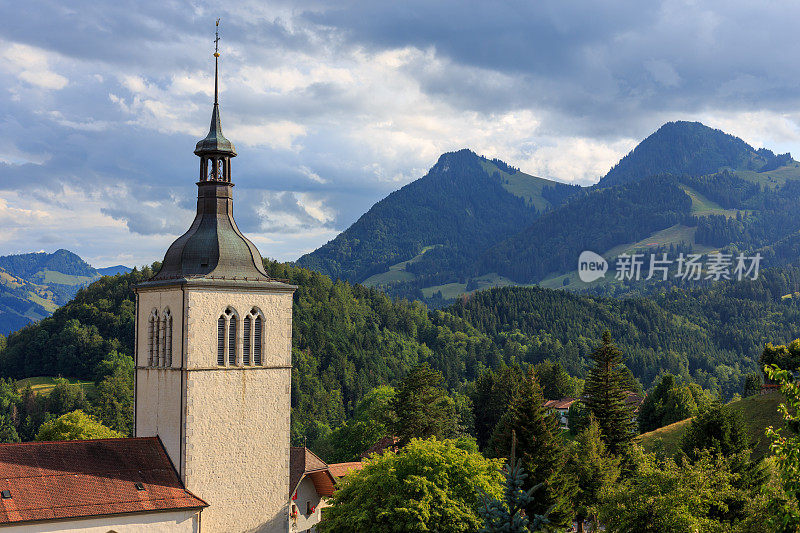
{"points": [[422, 408], [594, 470], [508, 515], [604, 396], [540, 448]]}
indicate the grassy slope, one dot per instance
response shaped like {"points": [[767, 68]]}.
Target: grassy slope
{"points": [[772, 178], [45, 384], [522, 185], [701, 206], [396, 272], [759, 412], [52, 276]]}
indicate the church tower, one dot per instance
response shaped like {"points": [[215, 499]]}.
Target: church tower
{"points": [[213, 358]]}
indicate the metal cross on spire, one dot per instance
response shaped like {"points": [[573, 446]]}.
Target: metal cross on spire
{"points": [[216, 41], [216, 62]]}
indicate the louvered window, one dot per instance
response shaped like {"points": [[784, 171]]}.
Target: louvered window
{"points": [[152, 338], [232, 340], [221, 341], [246, 340], [259, 324], [167, 356]]}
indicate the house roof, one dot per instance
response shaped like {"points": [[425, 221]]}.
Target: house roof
{"points": [[563, 403], [305, 463], [341, 469], [73, 479], [388, 442]]}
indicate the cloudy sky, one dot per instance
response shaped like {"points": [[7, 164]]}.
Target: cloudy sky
{"points": [[332, 105]]}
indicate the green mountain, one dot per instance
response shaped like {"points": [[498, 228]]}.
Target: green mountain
{"points": [[471, 223], [432, 229], [690, 148], [33, 285]]}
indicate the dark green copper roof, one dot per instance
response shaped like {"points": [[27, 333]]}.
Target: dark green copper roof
{"points": [[213, 248], [215, 142]]}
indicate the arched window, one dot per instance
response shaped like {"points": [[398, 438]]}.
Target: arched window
{"points": [[257, 336], [221, 341], [252, 335], [152, 337], [232, 319], [246, 344], [166, 353]]}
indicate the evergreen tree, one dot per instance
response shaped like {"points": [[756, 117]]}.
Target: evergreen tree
{"points": [[721, 430], [422, 408], [508, 515], [8, 433], [594, 469], [540, 447], [491, 397], [604, 395]]}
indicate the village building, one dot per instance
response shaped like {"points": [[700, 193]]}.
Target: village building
{"points": [[211, 451], [312, 482]]}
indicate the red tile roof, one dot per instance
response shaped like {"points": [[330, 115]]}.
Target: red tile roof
{"points": [[305, 463], [563, 403], [72, 479], [388, 442], [340, 469]]}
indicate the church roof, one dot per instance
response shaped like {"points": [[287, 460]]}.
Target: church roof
{"points": [[215, 142], [213, 248], [85, 478]]}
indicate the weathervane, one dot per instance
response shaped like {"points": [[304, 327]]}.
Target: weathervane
{"points": [[216, 41], [216, 62]]}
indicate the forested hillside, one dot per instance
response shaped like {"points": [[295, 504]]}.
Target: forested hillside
{"points": [[432, 229], [712, 336], [687, 188], [689, 148], [33, 285], [348, 339], [598, 220]]}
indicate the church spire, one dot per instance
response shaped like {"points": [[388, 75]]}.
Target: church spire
{"points": [[215, 151]]}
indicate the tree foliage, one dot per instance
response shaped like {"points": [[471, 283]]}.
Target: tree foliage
{"points": [[540, 447], [605, 393], [429, 485], [785, 507], [670, 401], [75, 425], [422, 408], [666, 497], [594, 469]]}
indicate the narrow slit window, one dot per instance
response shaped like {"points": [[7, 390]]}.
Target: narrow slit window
{"points": [[221, 341], [167, 362], [246, 340], [259, 324], [232, 340], [152, 334]]}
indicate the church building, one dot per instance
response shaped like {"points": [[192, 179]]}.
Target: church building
{"points": [[212, 395]]}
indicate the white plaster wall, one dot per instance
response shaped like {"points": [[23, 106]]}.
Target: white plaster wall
{"points": [[236, 453], [307, 493], [206, 305], [158, 390], [166, 521]]}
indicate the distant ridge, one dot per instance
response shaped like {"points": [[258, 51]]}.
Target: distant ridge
{"points": [[33, 285], [690, 148], [114, 270], [438, 223], [686, 188]]}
